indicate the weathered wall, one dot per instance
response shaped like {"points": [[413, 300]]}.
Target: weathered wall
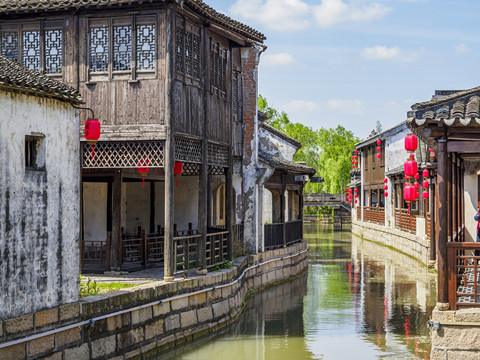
{"points": [[186, 202], [271, 143], [155, 315], [458, 336], [410, 244], [39, 222], [95, 211]]}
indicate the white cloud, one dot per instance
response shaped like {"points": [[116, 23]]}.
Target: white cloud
{"points": [[286, 15], [461, 49], [311, 108], [301, 105], [331, 12], [350, 107], [279, 59], [381, 53]]}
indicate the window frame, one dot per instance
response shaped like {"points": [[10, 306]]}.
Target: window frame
{"points": [[219, 58], [186, 28]]}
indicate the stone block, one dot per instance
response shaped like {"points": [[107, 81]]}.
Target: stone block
{"points": [[443, 316], [457, 337], [165, 289], [46, 317], [133, 354], [154, 329], [166, 340], [271, 277], [172, 322], [163, 309], [147, 347], [99, 328], [41, 345], [213, 295], [56, 356], [104, 346], [141, 315], [205, 314], [94, 305], [198, 299], [144, 293], [468, 315], [179, 304], [226, 292], [438, 354], [121, 299], [13, 352], [188, 318], [188, 285], [129, 338], [220, 309], [69, 311], [20, 324], [68, 337], [1, 328], [463, 355], [118, 322], [77, 353]]}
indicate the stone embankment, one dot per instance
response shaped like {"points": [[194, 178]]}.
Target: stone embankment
{"points": [[135, 322]]}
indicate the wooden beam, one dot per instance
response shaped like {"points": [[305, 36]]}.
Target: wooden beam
{"points": [[463, 146], [442, 221], [283, 212]]}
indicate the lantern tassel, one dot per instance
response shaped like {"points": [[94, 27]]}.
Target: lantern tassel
{"points": [[143, 182], [92, 151], [177, 181], [408, 212]]}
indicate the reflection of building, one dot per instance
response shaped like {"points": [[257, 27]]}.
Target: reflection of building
{"points": [[39, 191], [388, 219]]}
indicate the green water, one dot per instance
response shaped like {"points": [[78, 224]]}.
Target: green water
{"points": [[359, 300]]}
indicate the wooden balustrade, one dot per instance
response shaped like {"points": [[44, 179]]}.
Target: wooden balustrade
{"points": [[93, 255], [463, 269], [186, 256], [405, 222], [294, 231], [428, 225], [359, 213], [273, 235], [374, 215], [217, 248]]}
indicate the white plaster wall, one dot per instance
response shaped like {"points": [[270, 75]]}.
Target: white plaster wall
{"points": [[274, 145], [159, 204], [470, 193], [137, 207], [395, 153], [186, 202], [267, 207], [39, 210], [237, 187], [95, 211]]}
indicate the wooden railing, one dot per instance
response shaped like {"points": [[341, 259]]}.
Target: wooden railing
{"points": [[359, 213], [294, 231], [374, 215], [217, 248], [93, 254], [405, 222], [463, 268], [428, 225], [273, 236], [186, 255]]}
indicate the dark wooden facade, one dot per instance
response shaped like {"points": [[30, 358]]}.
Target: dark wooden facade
{"points": [[165, 80]]}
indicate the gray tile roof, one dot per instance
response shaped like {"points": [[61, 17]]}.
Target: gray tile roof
{"points": [[285, 164], [282, 135], [28, 6], [458, 108], [18, 78]]}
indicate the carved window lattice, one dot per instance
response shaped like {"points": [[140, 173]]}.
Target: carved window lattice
{"points": [[145, 47], [99, 49], [190, 169], [216, 170], [218, 68], [9, 45], [217, 155], [122, 48], [235, 95], [196, 56], [31, 49], [179, 39], [53, 51], [123, 154], [188, 150]]}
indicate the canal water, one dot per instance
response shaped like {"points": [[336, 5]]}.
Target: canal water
{"points": [[359, 300]]}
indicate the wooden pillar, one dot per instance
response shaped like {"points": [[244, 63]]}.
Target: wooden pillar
{"points": [[115, 243], [283, 212], [228, 204], [300, 208], [462, 197], [433, 249], [152, 207], [448, 180], [442, 222], [454, 197], [169, 155]]}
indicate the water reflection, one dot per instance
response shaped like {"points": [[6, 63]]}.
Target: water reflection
{"points": [[358, 301]]}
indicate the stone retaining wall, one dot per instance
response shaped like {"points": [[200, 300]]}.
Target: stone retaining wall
{"points": [[458, 336], [129, 323], [410, 244]]}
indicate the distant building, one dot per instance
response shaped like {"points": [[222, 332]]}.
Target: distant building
{"points": [[39, 191]]}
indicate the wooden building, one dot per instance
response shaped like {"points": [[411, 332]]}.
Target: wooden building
{"points": [[174, 85]]}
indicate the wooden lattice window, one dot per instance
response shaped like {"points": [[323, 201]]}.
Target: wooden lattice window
{"points": [[188, 149], [123, 47], [187, 52], [217, 155], [38, 46], [218, 68], [235, 95]]}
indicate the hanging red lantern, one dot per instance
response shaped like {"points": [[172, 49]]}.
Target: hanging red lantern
{"points": [[425, 183], [411, 142], [356, 190], [355, 152], [425, 174], [178, 170], [386, 194], [356, 157], [92, 132], [379, 155], [385, 187], [143, 169], [416, 184], [409, 195], [356, 196], [417, 176], [356, 201], [379, 142], [385, 181], [356, 163], [410, 168], [425, 194], [379, 148]]}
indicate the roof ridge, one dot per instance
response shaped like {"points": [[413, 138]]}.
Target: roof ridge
{"points": [[433, 102]]}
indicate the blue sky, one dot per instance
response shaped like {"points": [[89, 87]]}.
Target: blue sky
{"points": [[356, 62]]}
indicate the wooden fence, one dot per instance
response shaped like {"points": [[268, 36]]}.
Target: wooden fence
{"points": [[405, 222], [374, 215], [273, 234]]}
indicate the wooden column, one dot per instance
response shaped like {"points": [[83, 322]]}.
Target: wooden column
{"points": [[433, 249], [300, 208], [115, 243], [283, 212], [462, 197], [152, 207], [228, 204], [448, 180], [169, 156], [454, 197], [442, 222]]}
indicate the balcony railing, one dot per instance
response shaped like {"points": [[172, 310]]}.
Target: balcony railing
{"points": [[374, 215], [273, 234], [405, 222]]}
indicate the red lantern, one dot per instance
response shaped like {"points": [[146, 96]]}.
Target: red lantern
{"points": [[92, 132], [417, 176], [411, 156], [379, 148], [416, 184], [355, 152], [379, 142], [379, 155], [432, 154], [356, 163], [356, 201], [356, 190], [425, 183], [425, 174], [410, 168], [143, 169], [178, 169], [409, 195], [411, 142], [425, 194], [385, 187], [385, 181], [356, 157], [386, 194]]}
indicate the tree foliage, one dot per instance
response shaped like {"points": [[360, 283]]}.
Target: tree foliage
{"points": [[327, 150]]}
